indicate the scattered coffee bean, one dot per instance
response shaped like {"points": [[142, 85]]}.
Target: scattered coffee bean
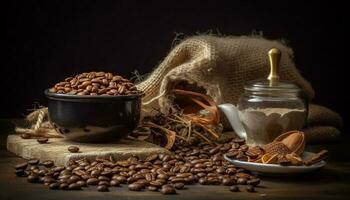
{"points": [[189, 165], [74, 186], [152, 188], [95, 173], [179, 186], [81, 183], [254, 182], [203, 181], [250, 188], [234, 188], [135, 187], [54, 186], [92, 181], [73, 149], [228, 181], [20, 172], [64, 186], [102, 188], [168, 189], [48, 179], [103, 183], [242, 181], [114, 183], [21, 165], [33, 161], [42, 140], [48, 163], [33, 178]]}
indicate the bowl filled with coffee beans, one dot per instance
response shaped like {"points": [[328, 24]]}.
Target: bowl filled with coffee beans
{"points": [[94, 107]]}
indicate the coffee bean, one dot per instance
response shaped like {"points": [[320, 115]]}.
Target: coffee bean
{"points": [[179, 185], [33, 178], [203, 181], [26, 136], [66, 172], [175, 180], [42, 140], [234, 188], [239, 141], [242, 181], [74, 178], [214, 181], [74, 186], [121, 179], [162, 176], [103, 183], [214, 151], [48, 163], [102, 188], [106, 173], [156, 183], [151, 158], [228, 181], [143, 182], [95, 173], [59, 169], [254, 182], [244, 148], [81, 183], [152, 188], [33, 161], [220, 170], [92, 181], [168, 189], [232, 154], [135, 187], [250, 188], [20, 172], [103, 178], [54, 186], [48, 180], [21, 165], [73, 149], [114, 183], [63, 186]]}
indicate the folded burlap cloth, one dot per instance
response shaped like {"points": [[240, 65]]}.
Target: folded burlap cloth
{"points": [[220, 66]]}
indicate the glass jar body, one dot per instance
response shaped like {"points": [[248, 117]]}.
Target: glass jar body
{"points": [[267, 114]]}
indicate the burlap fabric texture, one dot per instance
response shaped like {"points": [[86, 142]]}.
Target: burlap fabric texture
{"points": [[221, 66]]}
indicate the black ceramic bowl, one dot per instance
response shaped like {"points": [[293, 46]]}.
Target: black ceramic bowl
{"points": [[94, 118]]}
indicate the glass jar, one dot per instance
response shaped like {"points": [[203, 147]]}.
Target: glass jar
{"points": [[271, 107]]}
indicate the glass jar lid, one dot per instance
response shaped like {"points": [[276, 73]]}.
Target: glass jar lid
{"points": [[272, 82], [266, 85]]}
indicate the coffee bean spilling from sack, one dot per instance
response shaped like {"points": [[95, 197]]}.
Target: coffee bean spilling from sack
{"points": [[95, 83], [203, 164]]}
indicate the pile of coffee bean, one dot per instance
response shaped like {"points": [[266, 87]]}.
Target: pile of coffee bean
{"points": [[203, 164], [95, 83]]}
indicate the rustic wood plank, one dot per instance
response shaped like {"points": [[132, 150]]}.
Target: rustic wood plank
{"points": [[56, 149]]}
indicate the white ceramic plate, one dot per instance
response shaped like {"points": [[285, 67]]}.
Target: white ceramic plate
{"points": [[276, 168]]}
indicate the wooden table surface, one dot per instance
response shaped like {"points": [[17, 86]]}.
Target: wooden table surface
{"points": [[332, 182]]}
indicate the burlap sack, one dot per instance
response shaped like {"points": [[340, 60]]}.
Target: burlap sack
{"points": [[219, 66]]}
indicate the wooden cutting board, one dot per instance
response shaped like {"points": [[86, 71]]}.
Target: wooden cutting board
{"points": [[57, 149]]}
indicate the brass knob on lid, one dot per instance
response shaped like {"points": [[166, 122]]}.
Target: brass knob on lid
{"points": [[274, 57]]}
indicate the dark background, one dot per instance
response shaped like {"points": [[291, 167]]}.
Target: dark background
{"points": [[46, 41]]}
